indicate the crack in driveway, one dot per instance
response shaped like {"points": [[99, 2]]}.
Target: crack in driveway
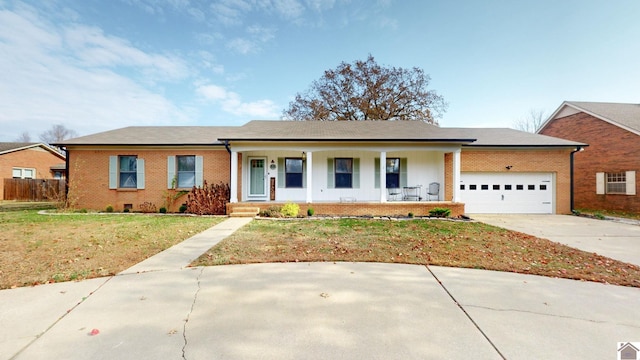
{"points": [[186, 320]]}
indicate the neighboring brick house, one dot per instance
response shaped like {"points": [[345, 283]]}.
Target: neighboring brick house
{"points": [[605, 172], [19, 160], [336, 167]]}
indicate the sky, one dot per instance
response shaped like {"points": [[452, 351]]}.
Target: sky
{"points": [[98, 65]]}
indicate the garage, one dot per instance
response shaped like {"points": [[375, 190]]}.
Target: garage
{"points": [[507, 193]]}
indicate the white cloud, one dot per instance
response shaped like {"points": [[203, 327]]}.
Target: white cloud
{"points": [[66, 76], [231, 103]]}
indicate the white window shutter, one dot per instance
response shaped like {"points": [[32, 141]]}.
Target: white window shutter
{"points": [[140, 174], [113, 172], [600, 183], [171, 172], [356, 174], [199, 171], [631, 182], [376, 171]]}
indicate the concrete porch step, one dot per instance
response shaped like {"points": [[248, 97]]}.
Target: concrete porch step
{"points": [[244, 211]]}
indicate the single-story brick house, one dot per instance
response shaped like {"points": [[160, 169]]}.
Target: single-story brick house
{"points": [[335, 167], [26, 160], [605, 173]]}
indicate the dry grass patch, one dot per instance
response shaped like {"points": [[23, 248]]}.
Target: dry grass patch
{"points": [[36, 249], [444, 243]]}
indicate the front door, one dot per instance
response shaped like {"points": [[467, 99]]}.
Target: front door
{"points": [[257, 183]]}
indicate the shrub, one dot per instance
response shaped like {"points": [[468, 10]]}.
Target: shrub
{"points": [[290, 210], [411, 215], [109, 209], [310, 212], [183, 208], [163, 210], [272, 211], [126, 210], [440, 212], [208, 200]]}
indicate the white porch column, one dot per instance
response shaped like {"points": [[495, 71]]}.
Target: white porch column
{"points": [[456, 176], [309, 177], [234, 177], [383, 176]]}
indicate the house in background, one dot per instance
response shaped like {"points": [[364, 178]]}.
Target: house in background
{"points": [[605, 173], [19, 160], [338, 168]]}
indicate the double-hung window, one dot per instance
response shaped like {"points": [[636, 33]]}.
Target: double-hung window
{"points": [[344, 173], [186, 171], [616, 183], [293, 172], [22, 173], [128, 171], [393, 173]]}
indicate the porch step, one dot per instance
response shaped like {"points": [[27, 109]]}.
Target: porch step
{"points": [[244, 211]]}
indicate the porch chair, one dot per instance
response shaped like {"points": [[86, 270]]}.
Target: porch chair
{"points": [[434, 190], [394, 193]]}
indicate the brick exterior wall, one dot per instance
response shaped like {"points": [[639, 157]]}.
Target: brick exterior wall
{"points": [[35, 158], [547, 161], [611, 149], [395, 209], [89, 177]]}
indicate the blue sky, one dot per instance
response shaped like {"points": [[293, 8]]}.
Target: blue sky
{"points": [[96, 65]]}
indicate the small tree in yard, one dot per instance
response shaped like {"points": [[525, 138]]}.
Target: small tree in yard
{"points": [[365, 90], [209, 200]]}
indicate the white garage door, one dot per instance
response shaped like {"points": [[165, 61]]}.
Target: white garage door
{"points": [[507, 193]]}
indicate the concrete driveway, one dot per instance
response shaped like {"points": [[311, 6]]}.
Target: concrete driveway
{"points": [[612, 239]]}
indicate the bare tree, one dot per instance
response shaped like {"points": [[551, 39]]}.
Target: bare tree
{"points": [[365, 90], [57, 133], [532, 122], [24, 137]]}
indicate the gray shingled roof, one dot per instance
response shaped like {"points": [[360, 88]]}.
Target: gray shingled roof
{"points": [[273, 130], [627, 115], [154, 135], [7, 147]]}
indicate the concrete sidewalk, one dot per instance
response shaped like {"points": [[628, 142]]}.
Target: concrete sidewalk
{"points": [[620, 241]]}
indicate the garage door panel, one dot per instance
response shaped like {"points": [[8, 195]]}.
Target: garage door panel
{"points": [[524, 193]]}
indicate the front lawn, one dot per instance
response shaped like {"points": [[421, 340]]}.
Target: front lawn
{"points": [[36, 249], [444, 243]]}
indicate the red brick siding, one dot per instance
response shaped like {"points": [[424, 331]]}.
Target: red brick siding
{"points": [[553, 161], [89, 177], [611, 149], [35, 158]]}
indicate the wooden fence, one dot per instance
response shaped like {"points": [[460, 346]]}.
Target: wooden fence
{"points": [[34, 189]]}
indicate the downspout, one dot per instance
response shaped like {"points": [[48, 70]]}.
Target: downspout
{"points": [[66, 173], [578, 149]]}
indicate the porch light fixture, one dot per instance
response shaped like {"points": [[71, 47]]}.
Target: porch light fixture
{"points": [[508, 167], [304, 156], [273, 162]]}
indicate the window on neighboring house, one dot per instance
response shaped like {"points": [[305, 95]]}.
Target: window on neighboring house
{"points": [[23, 173], [128, 171], [344, 172], [186, 171], [616, 183], [393, 173], [293, 172]]}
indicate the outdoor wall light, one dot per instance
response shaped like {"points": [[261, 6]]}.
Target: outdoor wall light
{"points": [[304, 155], [508, 167]]}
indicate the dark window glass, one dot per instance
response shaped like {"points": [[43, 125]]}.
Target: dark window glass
{"points": [[393, 173], [344, 173], [128, 168], [519, 187], [507, 187], [293, 173], [543, 187], [472, 187], [496, 187], [531, 187], [484, 187], [186, 171], [461, 186]]}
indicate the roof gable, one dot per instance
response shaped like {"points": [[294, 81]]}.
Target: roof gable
{"points": [[625, 116], [9, 147]]}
